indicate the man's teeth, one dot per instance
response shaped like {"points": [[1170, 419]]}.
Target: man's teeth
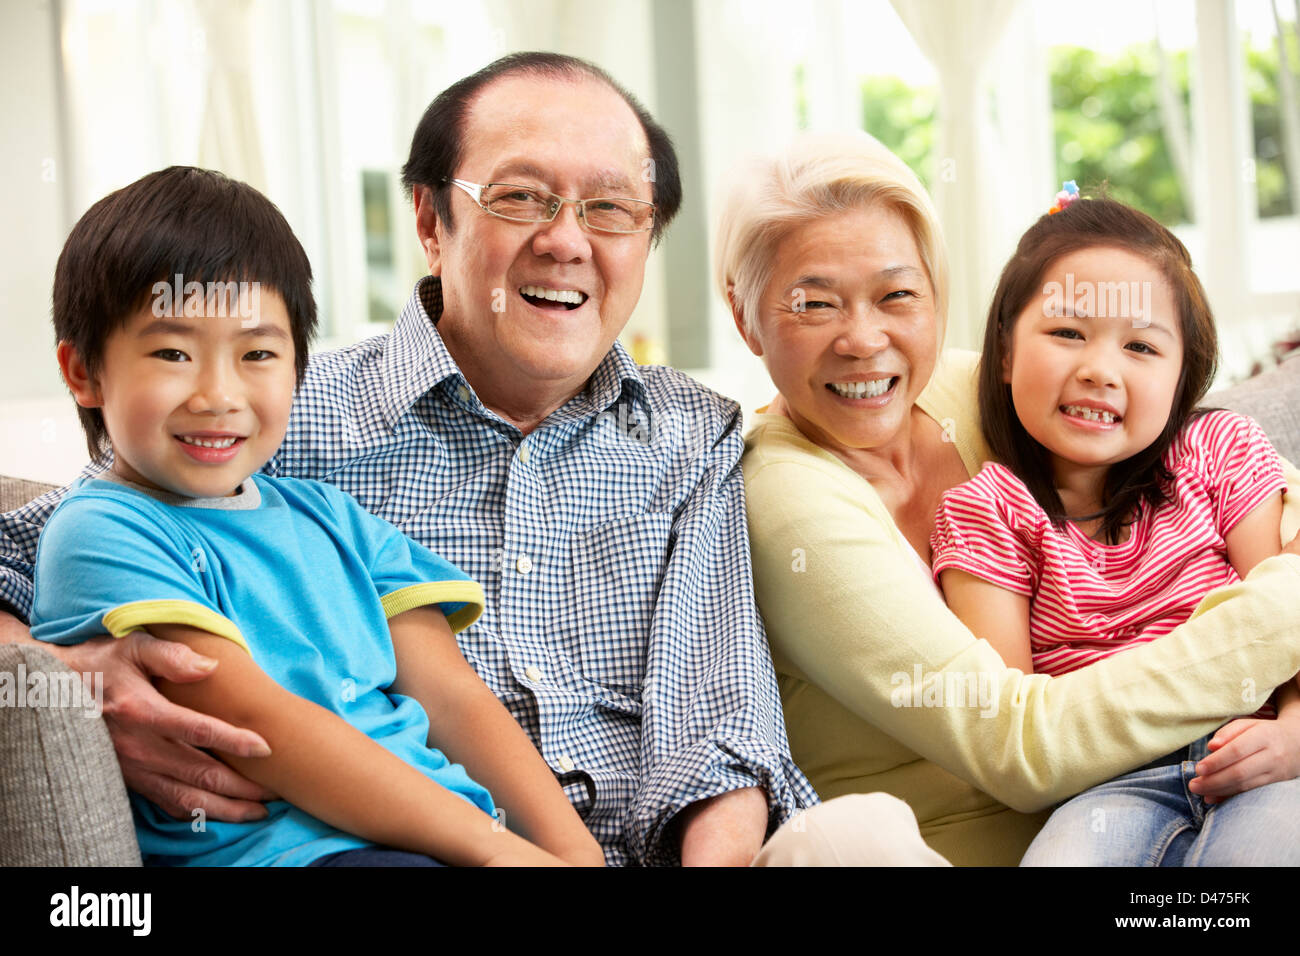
{"points": [[1091, 414], [872, 389], [567, 296], [208, 442]]}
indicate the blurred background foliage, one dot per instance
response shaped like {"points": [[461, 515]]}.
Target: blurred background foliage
{"points": [[1108, 124]]}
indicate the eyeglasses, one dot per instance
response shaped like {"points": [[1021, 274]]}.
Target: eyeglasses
{"points": [[528, 204]]}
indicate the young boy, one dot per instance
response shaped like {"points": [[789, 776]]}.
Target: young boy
{"points": [[183, 311]]}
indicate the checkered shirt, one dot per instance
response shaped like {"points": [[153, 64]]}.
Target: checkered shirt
{"points": [[620, 629]]}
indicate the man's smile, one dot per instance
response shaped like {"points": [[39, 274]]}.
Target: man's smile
{"points": [[544, 298]]}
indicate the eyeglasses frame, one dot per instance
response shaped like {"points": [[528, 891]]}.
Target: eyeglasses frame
{"points": [[475, 192]]}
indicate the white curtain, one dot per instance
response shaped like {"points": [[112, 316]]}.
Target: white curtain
{"points": [[958, 37], [228, 140]]}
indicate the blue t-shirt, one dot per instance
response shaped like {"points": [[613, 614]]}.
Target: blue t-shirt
{"points": [[298, 573]]}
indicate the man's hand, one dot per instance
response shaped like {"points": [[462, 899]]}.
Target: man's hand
{"points": [[156, 739], [726, 830], [1248, 753]]}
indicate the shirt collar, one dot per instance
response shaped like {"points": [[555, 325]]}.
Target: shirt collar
{"points": [[416, 360]]}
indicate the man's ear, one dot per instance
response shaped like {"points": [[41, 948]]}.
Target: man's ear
{"points": [[426, 222], [738, 316], [84, 388]]}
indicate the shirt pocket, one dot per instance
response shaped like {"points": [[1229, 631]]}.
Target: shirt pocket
{"points": [[618, 567]]}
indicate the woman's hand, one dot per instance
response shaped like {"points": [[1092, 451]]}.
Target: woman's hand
{"points": [[1248, 753]]}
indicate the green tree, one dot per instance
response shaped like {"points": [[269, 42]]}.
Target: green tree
{"points": [[1106, 117], [903, 118], [1107, 124]]}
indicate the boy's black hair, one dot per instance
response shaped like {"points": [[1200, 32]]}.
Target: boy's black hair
{"points": [[438, 142], [196, 223]]}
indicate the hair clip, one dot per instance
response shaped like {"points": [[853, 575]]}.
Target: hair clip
{"points": [[1069, 193]]}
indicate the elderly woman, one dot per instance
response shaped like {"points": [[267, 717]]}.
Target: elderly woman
{"points": [[831, 259]]}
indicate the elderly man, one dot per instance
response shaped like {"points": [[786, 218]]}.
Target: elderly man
{"points": [[599, 504]]}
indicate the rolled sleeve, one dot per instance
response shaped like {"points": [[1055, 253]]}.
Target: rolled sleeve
{"points": [[712, 719]]}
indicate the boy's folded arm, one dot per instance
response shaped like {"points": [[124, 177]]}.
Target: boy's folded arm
{"points": [[473, 728], [328, 768]]}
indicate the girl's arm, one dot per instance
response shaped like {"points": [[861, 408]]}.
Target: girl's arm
{"points": [[331, 770], [473, 728], [999, 616], [1255, 537]]}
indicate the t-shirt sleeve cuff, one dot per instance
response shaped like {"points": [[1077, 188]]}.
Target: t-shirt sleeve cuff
{"points": [[124, 619], [1245, 500], [461, 601], [1001, 575]]}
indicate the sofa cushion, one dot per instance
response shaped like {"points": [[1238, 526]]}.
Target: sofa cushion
{"points": [[62, 800], [1272, 398]]}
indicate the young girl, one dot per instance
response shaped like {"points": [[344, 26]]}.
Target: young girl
{"points": [[1118, 505]]}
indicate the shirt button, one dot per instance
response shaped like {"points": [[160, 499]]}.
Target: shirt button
{"points": [[566, 763], [524, 565], [462, 393], [533, 674], [523, 454]]}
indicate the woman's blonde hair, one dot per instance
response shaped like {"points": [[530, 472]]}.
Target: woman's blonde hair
{"points": [[818, 175]]}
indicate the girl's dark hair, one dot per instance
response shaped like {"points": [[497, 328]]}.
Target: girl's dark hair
{"points": [[1089, 223], [181, 220]]}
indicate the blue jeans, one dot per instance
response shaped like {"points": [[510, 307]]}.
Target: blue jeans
{"points": [[375, 856], [1150, 818]]}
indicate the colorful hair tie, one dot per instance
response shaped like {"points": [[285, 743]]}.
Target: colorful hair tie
{"points": [[1069, 193]]}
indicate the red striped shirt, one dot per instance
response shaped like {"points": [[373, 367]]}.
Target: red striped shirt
{"points": [[1089, 600]]}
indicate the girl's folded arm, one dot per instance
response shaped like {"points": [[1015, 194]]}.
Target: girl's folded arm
{"points": [[326, 767]]}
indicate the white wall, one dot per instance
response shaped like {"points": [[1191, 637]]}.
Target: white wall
{"points": [[31, 183]]}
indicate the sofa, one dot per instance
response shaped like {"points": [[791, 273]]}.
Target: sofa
{"points": [[62, 800]]}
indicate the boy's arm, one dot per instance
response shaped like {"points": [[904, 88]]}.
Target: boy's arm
{"points": [[999, 616], [334, 772], [472, 728]]}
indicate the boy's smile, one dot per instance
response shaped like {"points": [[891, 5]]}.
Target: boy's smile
{"points": [[193, 404]]}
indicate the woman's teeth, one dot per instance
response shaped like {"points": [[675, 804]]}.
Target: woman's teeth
{"points": [[872, 389], [567, 296], [208, 442], [1091, 414]]}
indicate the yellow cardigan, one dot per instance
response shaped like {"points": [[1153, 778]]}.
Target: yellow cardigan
{"points": [[885, 689]]}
